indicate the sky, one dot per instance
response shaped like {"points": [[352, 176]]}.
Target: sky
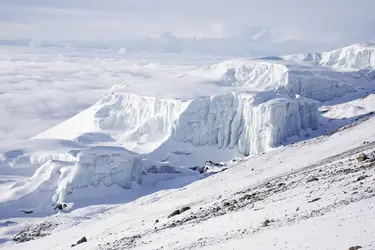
{"points": [[334, 22]]}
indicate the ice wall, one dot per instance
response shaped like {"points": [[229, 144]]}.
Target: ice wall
{"points": [[250, 123], [320, 88], [286, 77], [56, 180], [109, 165]]}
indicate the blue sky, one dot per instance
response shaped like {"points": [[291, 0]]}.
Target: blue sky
{"points": [[326, 21]]}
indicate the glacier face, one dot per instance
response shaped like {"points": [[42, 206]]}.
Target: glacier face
{"points": [[248, 122], [283, 76], [109, 165]]}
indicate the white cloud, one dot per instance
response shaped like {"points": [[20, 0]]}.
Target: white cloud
{"points": [[335, 21], [217, 30], [41, 88]]}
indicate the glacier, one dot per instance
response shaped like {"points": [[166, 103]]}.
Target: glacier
{"points": [[143, 134]]}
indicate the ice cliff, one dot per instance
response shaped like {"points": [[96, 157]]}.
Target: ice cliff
{"points": [[108, 165], [275, 73], [250, 123]]}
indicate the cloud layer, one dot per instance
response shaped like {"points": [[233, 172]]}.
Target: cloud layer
{"points": [[39, 89], [335, 21]]}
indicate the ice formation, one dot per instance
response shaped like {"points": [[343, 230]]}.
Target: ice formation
{"points": [[102, 164], [110, 165]]}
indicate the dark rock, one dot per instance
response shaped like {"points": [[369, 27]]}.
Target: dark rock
{"points": [[247, 197], [297, 209], [27, 211], [157, 221], [82, 240], [226, 204], [217, 209], [203, 170], [60, 206], [196, 168], [311, 179], [314, 200], [184, 209], [152, 169], [361, 178], [176, 212], [34, 231], [266, 222], [355, 248], [362, 157], [211, 163]]}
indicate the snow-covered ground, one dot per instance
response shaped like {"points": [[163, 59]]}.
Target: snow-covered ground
{"points": [[254, 152], [228, 209]]}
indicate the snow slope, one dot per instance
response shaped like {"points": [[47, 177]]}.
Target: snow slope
{"points": [[274, 186]]}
